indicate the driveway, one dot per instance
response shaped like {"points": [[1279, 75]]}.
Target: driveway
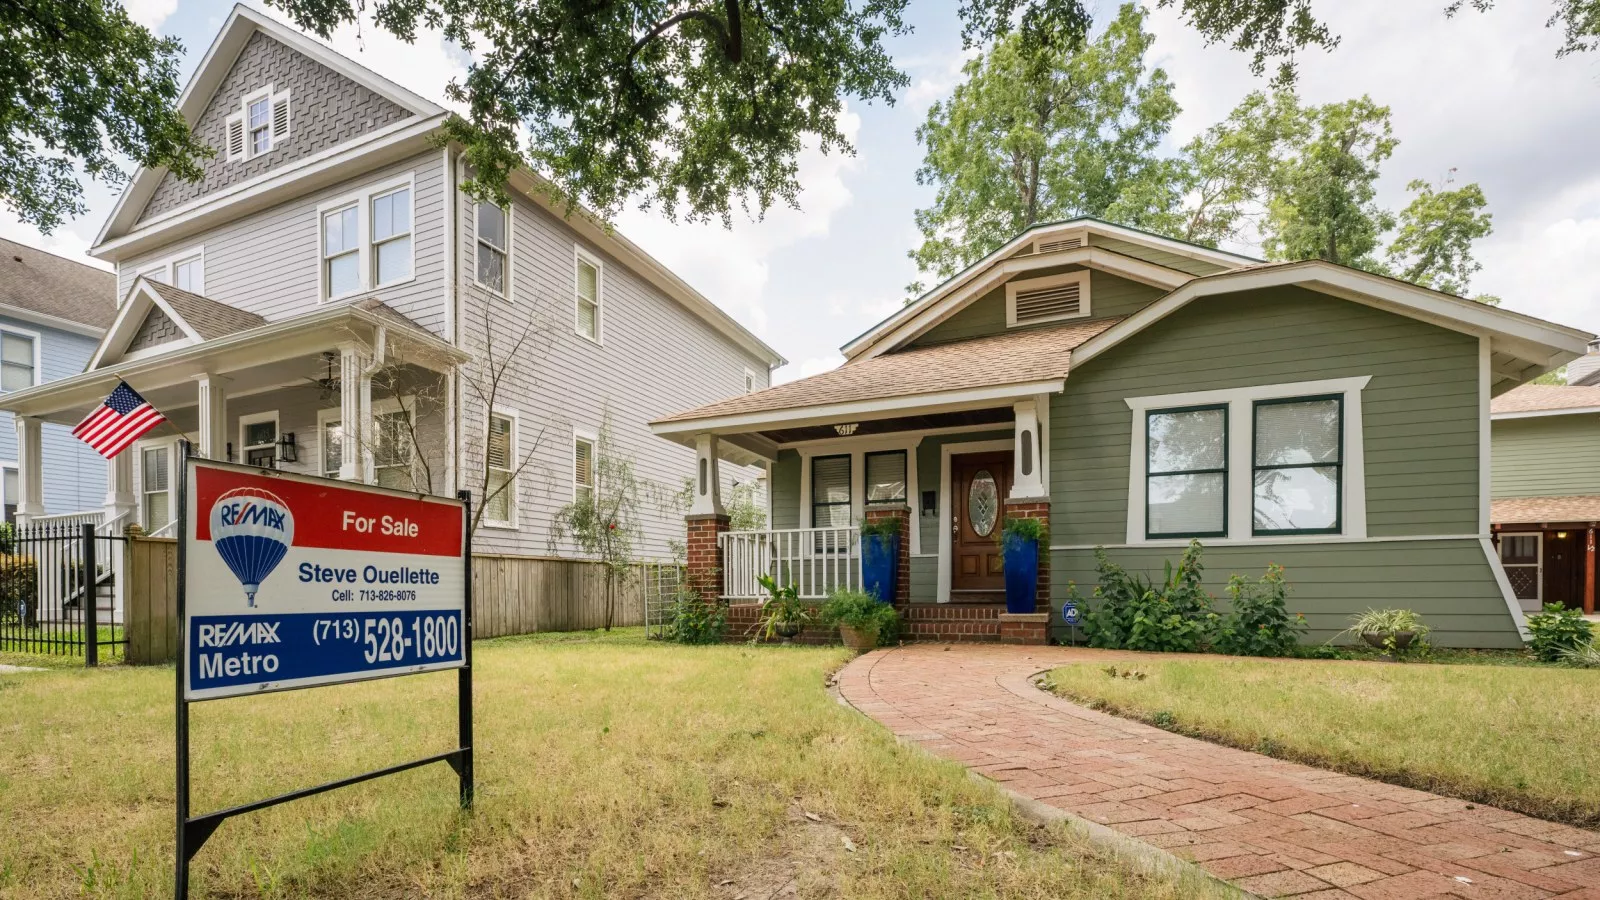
{"points": [[1273, 828]]}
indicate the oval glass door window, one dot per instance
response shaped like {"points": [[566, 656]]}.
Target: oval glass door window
{"points": [[983, 503]]}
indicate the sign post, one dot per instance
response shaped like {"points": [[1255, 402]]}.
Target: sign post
{"points": [[288, 581], [1070, 616]]}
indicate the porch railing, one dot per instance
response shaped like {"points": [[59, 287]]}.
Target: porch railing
{"points": [[72, 519], [817, 561]]}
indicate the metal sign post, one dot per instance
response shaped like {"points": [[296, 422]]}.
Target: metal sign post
{"points": [[1070, 616], [288, 581]]}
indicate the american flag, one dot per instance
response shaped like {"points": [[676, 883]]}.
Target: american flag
{"points": [[118, 422]]}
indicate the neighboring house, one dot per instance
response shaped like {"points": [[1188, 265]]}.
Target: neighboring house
{"points": [[53, 313], [1139, 392], [1547, 487], [327, 271]]}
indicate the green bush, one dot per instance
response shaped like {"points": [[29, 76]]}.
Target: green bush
{"points": [[889, 527], [696, 621], [19, 584], [1260, 623], [861, 611], [1585, 657], [1131, 613], [1033, 530], [1390, 624], [1556, 631]]}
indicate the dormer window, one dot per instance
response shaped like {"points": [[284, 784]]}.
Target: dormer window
{"points": [[261, 123]]}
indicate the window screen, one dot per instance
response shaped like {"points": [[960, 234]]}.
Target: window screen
{"points": [[886, 478], [1186, 486], [830, 492]]}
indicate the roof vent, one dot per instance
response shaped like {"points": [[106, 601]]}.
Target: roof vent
{"points": [[1064, 296], [1054, 244]]}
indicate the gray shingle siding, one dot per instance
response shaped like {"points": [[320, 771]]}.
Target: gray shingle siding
{"points": [[326, 108], [158, 328], [74, 475]]}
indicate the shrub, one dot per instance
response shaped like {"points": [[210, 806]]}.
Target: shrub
{"points": [[1585, 657], [1032, 530], [1260, 623], [696, 621], [782, 607], [1556, 631], [882, 527], [19, 583], [1131, 613], [1391, 623], [860, 611]]}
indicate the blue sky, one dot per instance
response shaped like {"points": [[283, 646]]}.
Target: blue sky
{"points": [[1481, 93]]}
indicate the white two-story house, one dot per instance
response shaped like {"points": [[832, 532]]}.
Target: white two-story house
{"points": [[326, 300]]}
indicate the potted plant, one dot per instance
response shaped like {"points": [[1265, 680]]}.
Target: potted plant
{"points": [[783, 613], [863, 622], [1394, 631], [880, 558], [1020, 540]]}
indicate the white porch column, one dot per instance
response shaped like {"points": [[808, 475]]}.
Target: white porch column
{"points": [[30, 470], [119, 487], [213, 416], [1028, 481], [707, 478], [355, 413]]}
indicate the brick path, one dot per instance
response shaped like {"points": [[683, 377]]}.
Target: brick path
{"points": [[1273, 828]]}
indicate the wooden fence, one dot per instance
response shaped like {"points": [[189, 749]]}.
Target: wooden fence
{"points": [[510, 595]]}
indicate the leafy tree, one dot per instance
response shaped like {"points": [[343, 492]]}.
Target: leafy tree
{"points": [[1434, 245], [603, 521], [1229, 167], [1037, 134], [81, 83]]}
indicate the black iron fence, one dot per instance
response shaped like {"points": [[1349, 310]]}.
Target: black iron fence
{"points": [[58, 592]]}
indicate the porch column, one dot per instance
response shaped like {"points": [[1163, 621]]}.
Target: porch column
{"points": [[707, 478], [355, 411], [30, 469], [119, 488], [213, 416], [706, 523], [1028, 472]]}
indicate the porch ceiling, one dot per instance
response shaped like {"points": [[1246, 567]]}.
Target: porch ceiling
{"points": [[996, 415]]}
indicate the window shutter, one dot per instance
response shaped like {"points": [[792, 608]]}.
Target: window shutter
{"points": [[1055, 302], [236, 136], [280, 117]]}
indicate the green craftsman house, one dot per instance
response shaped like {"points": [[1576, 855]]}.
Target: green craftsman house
{"points": [[1546, 485], [1138, 392]]}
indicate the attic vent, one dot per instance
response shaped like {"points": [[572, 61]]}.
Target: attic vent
{"points": [[1066, 243], [1047, 299]]}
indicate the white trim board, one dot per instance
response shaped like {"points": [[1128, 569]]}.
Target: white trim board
{"points": [[857, 450], [1541, 413], [942, 594]]}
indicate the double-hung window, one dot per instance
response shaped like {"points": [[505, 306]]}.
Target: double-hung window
{"points": [[886, 478], [260, 125], [186, 275], [18, 368], [830, 491], [587, 291], [499, 503], [156, 463], [391, 236], [332, 441], [1186, 472], [582, 468], [1298, 465], [258, 440], [367, 239], [391, 453], [494, 243], [341, 251]]}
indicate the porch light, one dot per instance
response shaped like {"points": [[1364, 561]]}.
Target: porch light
{"points": [[230, 451], [846, 430], [286, 449], [1561, 535]]}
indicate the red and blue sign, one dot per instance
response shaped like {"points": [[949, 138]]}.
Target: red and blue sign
{"points": [[293, 581]]}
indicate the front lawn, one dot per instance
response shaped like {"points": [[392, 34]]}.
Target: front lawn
{"points": [[1522, 738], [607, 767]]}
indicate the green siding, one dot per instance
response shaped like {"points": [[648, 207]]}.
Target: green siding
{"points": [[1546, 456], [1448, 582], [1152, 255], [1419, 411], [786, 490], [1108, 296]]}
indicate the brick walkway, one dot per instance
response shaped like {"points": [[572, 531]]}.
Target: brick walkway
{"points": [[1271, 827]]}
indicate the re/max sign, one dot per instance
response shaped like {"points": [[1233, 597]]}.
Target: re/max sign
{"points": [[251, 514]]}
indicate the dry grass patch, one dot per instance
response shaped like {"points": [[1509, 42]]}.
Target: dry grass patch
{"points": [[607, 767], [1522, 738]]}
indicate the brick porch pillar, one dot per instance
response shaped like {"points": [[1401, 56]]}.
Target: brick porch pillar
{"points": [[1025, 629], [902, 591], [703, 573]]}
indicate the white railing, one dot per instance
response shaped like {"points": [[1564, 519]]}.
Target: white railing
{"points": [[71, 519], [817, 561], [168, 530]]}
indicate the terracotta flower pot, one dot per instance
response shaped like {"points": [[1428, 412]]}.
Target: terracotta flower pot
{"points": [[856, 639]]}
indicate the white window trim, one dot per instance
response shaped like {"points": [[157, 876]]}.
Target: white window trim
{"points": [[365, 256], [38, 350], [514, 523], [1537, 565], [1241, 440], [1081, 277], [857, 450], [168, 267], [10, 464], [593, 439], [256, 419], [171, 443], [580, 255], [324, 416], [511, 241], [751, 384]]}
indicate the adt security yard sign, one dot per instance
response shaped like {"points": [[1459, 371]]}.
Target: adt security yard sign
{"points": [[288, 581], [294, 582]]}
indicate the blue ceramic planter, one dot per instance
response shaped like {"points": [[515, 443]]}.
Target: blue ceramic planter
{"points": [[1021, 560], [880, 565]]}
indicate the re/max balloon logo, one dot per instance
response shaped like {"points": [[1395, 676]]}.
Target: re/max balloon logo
{"points": [[252, 529]]}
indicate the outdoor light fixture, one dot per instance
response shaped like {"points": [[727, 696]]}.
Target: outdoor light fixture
{"points": [[230, 451], [1561, 535], [846, 430], [287, 451]]}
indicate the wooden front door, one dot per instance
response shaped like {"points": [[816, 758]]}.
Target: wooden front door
{"points": [[979, 483], [1563, 567]]}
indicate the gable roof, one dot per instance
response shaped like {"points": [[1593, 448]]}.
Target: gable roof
{"points": [[200, 319], [1546, 400], [52, 290], [206, 317], [967, 285]]}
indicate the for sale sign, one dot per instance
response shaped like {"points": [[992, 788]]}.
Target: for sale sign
{"points": [[293, 581]]}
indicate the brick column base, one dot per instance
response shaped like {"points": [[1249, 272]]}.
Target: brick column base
{"points": [[1036, 509], [1024, 628], [703, 572], [902, 588]]}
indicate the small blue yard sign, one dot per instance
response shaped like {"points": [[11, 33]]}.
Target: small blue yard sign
{"points": [[1069, 613]]}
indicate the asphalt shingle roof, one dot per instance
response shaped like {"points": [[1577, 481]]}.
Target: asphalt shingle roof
{"points": [[210, 319], [1532, 510], [1545, 398], [53, 285]]}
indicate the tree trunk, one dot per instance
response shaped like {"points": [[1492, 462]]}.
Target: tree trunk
{"points": [[611, 596]]}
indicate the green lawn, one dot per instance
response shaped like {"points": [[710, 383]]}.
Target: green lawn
{"points": [[607, 767], [1523, 738]]}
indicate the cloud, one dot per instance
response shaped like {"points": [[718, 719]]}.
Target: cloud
{"points": [[150, 13], [807, 368], [1545, 263]]}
